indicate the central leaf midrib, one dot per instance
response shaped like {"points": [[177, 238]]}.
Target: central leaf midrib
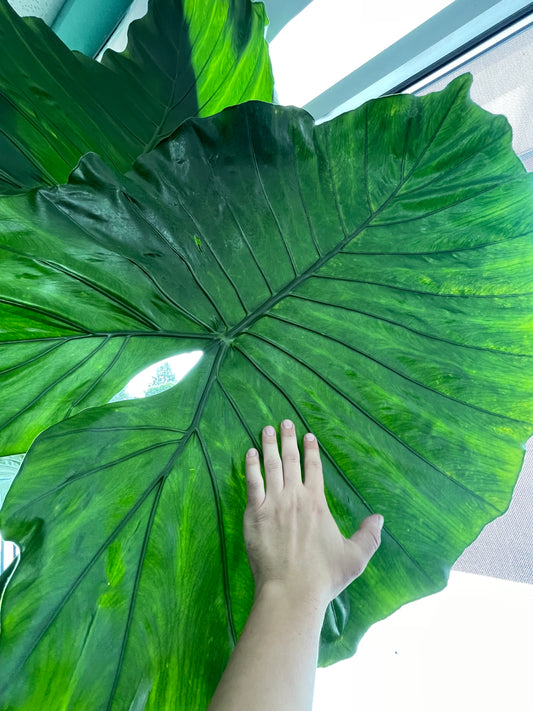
{"points": [[293, 284], [298, 280], [310, 271]]}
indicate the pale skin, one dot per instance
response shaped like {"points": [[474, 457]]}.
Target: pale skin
{"points": [[300, 561]]}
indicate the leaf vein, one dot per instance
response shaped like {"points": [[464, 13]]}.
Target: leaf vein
{"points": [[373, 419], [332, 461], [114, 533], [102, 467], [133, 600], [407, 328], [265, 196], [440, 209], [102, 375], [393, 370], [34, 358], [329, 277], [222, 537], [62, 377], [157, 232], [468, 248]]}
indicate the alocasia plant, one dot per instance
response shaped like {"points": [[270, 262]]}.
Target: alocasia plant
{"points": [[368, 277]]}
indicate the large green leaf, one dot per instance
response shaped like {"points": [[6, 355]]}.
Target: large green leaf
{"points": [[368, 277], [185, 58]]}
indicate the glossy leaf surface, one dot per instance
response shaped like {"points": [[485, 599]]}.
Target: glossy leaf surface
{"points": [[185, 58], [369, 278]]}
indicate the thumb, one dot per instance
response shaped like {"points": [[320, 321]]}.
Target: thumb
{"points": [[367, 539]]}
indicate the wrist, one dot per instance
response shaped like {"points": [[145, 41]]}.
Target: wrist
{"points": [[295, 603]]}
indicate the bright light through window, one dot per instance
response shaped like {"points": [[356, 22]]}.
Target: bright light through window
{"points": [[331, 38], [146, 380], [467, 647]]}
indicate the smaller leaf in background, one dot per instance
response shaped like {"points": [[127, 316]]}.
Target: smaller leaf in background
{"points": [[185, 58]]}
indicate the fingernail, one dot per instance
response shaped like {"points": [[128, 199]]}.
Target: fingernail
{"points": [[309, 437], [269, 430], [380, 521], [251, 452], [287, 424]]}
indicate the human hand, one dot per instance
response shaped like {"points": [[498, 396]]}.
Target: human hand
{"points": [[292, 540]]}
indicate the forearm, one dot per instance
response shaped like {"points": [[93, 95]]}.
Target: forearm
{"points": [[273, 665], [300, 561]]}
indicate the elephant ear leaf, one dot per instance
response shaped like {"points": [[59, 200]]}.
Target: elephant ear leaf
{"points": [[185, 58], [369, 278]]}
